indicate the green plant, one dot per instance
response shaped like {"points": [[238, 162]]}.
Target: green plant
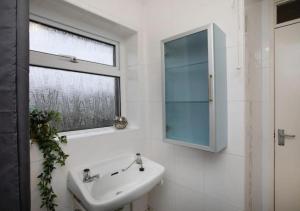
{"points": [[43, 131]]}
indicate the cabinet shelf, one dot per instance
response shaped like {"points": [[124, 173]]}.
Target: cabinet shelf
{"points": [[185, 65], [200, 101]]}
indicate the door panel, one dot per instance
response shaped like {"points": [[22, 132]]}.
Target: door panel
{"points": [[287, 117]]}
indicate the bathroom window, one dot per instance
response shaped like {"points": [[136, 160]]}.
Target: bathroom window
{"points": [[74, 74], [60, 42]]}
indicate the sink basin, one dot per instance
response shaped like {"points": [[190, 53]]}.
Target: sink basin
{"points": [[115, 187]]}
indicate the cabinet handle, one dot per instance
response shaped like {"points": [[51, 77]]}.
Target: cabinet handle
{"points": [[210, 99]]}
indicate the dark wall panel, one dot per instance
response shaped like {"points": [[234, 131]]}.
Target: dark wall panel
{"points": [[14, 138], [23, 101]]}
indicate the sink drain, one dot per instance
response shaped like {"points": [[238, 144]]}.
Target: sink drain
{"points": [[119, 192]]}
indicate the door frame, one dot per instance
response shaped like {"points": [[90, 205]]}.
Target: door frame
{"points": [[268, 107], [268, 112], [272, 105]]}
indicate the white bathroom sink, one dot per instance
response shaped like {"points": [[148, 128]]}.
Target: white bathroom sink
{"points": [[114, 188]]}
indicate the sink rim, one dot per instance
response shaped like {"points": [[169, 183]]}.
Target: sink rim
{"points": [[81, 192]]}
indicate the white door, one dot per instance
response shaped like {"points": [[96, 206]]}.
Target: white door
{"points": [[287, 118]]}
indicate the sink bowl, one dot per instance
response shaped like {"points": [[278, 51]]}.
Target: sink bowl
{"points": [[115, 187]]}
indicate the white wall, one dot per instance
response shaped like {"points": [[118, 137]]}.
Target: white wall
{"points": [[254, 121], [198, 180], [194, 180], [99, 145], [260, 92]]}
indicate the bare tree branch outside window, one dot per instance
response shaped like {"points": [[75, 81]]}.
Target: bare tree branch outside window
{"points": [[84, 100]]}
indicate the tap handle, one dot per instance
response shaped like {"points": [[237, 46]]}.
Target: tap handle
{"points": [[138, 159], [86, 172]]}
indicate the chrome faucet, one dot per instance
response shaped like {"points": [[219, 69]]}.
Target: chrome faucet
{"points": [[138, 160], [87, 177]]}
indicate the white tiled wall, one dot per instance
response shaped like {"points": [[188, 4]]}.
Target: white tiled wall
{"points": [[197, 180], [259, 48], [259, 51], [83, 151], [100, 145], [253, 65]]}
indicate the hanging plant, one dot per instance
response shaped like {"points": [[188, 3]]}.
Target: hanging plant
{"points": [[44, 132]]}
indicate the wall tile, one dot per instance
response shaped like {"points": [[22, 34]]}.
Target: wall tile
{"points": [[125, 14], [188, 199], [190, 168], [236, 128], [131, 48], [202, 180], [194, 180], [224, 178], [236, 85], [219, 204], [35, 153], [136, 114], [154, 78], [134, 86], [155, 118], [90, 149], [165, 154], [162, 197], [141, 204]]}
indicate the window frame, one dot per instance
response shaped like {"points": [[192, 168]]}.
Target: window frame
{"points": [[56, 61], [41, 59]]}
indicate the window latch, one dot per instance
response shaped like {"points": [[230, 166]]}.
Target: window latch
{"points": [[73, 59]]}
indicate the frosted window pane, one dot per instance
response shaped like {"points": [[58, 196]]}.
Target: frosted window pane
{"points": [[84, 100], [54, 41]]}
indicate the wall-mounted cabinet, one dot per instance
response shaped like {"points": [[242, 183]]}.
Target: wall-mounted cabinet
{"points": [[195, 89]]}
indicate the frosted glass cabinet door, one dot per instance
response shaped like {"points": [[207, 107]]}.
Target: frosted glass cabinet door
{"points": [[186, 89], [191, 62]]}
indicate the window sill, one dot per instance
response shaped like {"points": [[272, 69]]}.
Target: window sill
{"points": [[96, 132]]}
